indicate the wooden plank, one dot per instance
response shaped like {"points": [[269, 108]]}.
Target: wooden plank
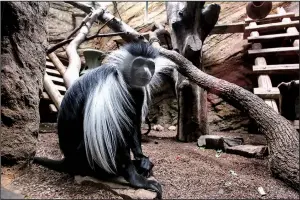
{"points": [[272, 26], [56, 79], [264, 38], [281, 50], [271, 17], [52, 72], [276, 69], [267, 93]]}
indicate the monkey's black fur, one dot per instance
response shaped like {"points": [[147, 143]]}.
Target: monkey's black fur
{"points": [[71, 130]]}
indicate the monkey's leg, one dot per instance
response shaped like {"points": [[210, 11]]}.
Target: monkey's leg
{"points": [[129, 172]]}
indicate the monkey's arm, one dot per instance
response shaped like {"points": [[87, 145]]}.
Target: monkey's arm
{"points": [[141, 162]]}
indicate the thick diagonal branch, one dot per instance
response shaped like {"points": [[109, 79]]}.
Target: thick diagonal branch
{"points": [[282, 137]]}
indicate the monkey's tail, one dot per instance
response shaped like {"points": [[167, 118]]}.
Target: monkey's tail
{"points": [[56, 165]]}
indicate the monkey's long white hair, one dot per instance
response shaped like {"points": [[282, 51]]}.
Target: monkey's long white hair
{"points": [[105, 118], [162, 66]]}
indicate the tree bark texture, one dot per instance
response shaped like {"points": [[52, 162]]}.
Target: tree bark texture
{"points": [[282, 137], [190, 24], [113, 23], [23, 44]]}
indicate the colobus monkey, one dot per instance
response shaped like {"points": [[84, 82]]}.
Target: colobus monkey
{"points": [[100, 117]]}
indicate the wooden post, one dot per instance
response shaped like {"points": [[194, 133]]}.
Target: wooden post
{"points": [[189, 29]]}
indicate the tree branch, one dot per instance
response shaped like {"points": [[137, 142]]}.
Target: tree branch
{"points": [[64, 42], [284, 151], [113, 23], [72, 72]]}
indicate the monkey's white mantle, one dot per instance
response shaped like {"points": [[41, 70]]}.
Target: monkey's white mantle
{"points": [[117, 186]]}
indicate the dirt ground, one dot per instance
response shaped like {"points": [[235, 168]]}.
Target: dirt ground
{"points": [[184, 170]]}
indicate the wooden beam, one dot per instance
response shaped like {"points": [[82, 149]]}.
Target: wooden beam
{"points": [[276, 69], [264, 38], [281, 50], [271, 17], [228, 28], [267, 93]]}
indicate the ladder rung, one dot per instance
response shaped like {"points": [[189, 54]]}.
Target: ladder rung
{"points": [[56, 79], [287, 50], [267, 93], [49, 64], [272, 26], [61, 88], [264, 38], [52, 72], [272, 69], [271, 17]]}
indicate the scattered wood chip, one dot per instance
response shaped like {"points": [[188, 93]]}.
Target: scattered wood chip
{"points": [[261, 191]]}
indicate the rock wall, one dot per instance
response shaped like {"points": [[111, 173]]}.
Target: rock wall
{"points": [[23, 43], [224, 54]]}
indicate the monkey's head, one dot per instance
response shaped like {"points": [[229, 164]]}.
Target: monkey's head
{"points": [[136, 61]]}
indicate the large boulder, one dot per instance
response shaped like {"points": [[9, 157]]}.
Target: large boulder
{"points": [[23, 43]]}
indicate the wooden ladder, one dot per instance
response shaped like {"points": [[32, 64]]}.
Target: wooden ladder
{"points": [[280, 21], [54, 86]]}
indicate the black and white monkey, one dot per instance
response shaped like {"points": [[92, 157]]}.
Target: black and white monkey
{"points": [[100, 117]]}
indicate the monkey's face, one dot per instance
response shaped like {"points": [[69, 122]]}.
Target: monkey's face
{"points": [[142, 70]]}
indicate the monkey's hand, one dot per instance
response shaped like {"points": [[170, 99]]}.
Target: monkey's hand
{"points": [[144, 166]]}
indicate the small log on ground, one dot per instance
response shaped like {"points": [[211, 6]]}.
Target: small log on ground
{"points": [[117, 186], [219, 142], [249, 151]]}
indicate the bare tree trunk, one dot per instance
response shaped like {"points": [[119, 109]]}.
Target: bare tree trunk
{"points": [[190, 27], [282, 137]]}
